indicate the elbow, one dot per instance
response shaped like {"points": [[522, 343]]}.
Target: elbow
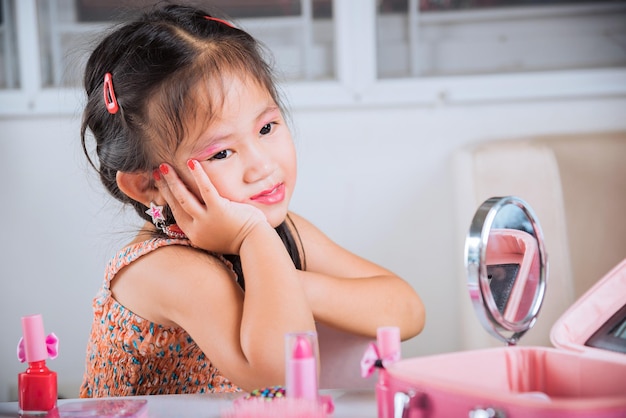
{"points": [[413, 318], [404, 310]]}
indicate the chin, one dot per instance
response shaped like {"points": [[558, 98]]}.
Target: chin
{"points": [[276, 217]]}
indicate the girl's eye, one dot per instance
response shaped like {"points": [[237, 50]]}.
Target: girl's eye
{"points": [[221, 155], [266, 129]]}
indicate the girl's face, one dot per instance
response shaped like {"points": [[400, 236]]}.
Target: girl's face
{"points": [[246, 150]]}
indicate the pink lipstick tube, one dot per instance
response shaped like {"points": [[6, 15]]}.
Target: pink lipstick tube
{"points": [[301, 365]]}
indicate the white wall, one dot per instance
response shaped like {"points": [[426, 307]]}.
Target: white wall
{"points": [[384, 170]]}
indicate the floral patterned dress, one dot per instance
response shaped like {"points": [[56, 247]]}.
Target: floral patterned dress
{"points": [[128, 355]]}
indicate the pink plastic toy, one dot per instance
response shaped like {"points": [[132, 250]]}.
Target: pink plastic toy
{"points": [[37, 386]]}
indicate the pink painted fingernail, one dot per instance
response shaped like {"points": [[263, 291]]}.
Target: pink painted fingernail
{"points": [[191, 164], [164, 169], [156, 175]]}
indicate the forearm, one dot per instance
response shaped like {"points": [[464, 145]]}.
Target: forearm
{"points": [[275, 303], [361, 305]]}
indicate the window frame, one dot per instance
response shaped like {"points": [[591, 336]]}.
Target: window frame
{"points": [[355, 84]]}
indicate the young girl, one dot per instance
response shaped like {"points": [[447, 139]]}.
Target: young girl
{"points": [[189, 130]]}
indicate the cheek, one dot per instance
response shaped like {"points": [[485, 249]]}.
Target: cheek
{"points": [[292, 172], [227, 190], [289, 162], [224, 184]]}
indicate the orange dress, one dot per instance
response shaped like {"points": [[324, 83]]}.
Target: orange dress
{"points": [[128, 355]]}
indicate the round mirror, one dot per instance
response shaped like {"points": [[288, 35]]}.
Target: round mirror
{"points": [[506, 267]]}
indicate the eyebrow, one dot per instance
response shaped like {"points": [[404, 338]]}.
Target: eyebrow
{"points": [[269, 109]]}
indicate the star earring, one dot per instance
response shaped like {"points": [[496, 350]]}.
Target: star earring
{"points": [[156, 213], [158, 219]]}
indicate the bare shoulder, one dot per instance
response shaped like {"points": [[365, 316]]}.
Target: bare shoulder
{"points": [[173, 259], [162, 285]]}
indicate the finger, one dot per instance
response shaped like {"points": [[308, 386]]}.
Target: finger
{"points": [[170, 200], [208, 192], [180, 199]]}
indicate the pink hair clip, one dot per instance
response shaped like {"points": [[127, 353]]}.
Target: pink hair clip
{"points": [[219, 20], [109, 95]]}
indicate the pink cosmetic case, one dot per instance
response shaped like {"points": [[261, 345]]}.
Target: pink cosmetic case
{"points": [[583, 376]]}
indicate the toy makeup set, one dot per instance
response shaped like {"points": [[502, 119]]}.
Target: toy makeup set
{"points": [[583, 376]]}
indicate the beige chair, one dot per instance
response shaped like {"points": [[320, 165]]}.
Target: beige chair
{"points": [[576, 185]]}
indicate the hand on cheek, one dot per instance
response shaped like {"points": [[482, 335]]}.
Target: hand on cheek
{"points": [[210, 221]]}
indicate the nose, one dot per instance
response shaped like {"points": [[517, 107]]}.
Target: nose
{"points": [[259, 164]]}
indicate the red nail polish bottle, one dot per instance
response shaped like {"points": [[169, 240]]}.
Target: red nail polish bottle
{"points": [[37, 386]]}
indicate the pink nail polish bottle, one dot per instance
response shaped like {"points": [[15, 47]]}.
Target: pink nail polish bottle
{"points": [[37, 386], [388, 342], [301, 365]]}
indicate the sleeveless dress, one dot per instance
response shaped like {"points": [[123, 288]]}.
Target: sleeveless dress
{"points": [[129, 355]]}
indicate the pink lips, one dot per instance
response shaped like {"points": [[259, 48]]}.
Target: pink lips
{"points": [[270, 196]]}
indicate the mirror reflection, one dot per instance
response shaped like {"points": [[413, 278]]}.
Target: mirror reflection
{"points": [[512, 271], [505, 260]]}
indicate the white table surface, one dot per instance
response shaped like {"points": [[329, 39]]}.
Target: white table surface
{"points": [[348, 404]]}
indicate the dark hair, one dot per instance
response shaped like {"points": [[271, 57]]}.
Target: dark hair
{"points": [[156, 62]]}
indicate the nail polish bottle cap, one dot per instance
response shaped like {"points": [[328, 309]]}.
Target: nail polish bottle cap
{"points": [[35, 348], [388, 341]]}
